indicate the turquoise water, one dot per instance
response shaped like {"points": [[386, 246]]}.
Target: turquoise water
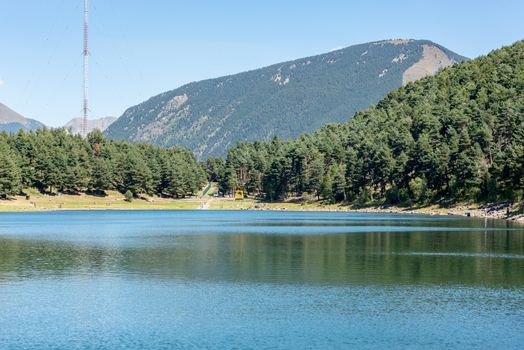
{"points": [[221, 280]]}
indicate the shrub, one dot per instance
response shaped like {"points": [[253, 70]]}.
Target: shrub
{"points": [[418, 187], [128, 196]]}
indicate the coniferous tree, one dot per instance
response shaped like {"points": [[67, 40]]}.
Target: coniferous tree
{"points": [[10, 183]]}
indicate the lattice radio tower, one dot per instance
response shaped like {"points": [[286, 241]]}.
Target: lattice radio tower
{"points": [[86, 66]]}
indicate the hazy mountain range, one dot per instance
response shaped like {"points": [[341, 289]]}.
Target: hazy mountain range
{"points": [[12, 121], [284, 99], [75, 125]]}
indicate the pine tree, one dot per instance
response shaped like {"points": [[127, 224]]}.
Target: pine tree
{"points": [[10, 183]]}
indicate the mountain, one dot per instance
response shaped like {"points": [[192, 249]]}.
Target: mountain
{"points": [[11, 121], [285, 99], [75, 125], [455, 136]]}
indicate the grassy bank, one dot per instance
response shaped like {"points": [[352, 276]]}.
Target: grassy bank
{"points": [[116, 201], [113, 201]]}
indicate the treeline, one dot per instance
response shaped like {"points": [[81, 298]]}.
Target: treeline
{"points": [[455, 136], [56, 161]]}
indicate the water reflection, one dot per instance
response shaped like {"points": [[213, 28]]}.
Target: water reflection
{"points": [[313, 248]]}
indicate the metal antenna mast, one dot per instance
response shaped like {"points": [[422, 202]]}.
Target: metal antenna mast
{"points": [[86, 65]]}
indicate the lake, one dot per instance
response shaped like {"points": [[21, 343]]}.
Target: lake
{"points": [[243, 279]]}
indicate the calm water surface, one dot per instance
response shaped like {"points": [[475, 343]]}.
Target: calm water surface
{"points": [[188, 279]]}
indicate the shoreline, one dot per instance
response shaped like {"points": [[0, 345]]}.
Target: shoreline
{"points": [[115, 201], [488, 211], [479, 211]]}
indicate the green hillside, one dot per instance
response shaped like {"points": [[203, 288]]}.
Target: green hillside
{"points": [[455, 136], [56, 161], [285, 100]]}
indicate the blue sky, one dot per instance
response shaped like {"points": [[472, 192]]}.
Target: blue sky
{"points": [[141, 48]]}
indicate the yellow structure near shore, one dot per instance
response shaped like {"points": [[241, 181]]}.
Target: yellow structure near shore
{"points": [[239, 195]]}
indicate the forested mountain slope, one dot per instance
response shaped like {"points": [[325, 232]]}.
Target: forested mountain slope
{"points": [[458, 135], [455, 136], [285, 99]]}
